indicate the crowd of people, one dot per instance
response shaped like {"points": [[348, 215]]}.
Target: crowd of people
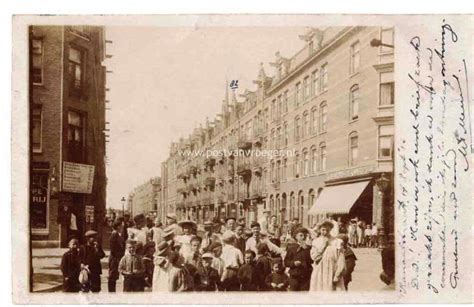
{"points": [[225, 255]]}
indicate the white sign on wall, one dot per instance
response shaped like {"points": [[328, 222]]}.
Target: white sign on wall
{"points": [[78, 178]]}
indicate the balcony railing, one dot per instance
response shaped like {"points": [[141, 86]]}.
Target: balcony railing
{"points": [[210, 181], [244, 167], [244, 143], [210, 162]]}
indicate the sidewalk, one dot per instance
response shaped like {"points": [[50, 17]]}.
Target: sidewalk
{"points": [[47, 276]]}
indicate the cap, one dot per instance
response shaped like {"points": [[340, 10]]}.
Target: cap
{"points": [[171, 216], [161, 249], [214, 245], [254, 224], [90, 233], [207, 256], [188, 223]]}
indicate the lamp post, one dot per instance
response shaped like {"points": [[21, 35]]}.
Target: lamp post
{"points": [[383, 184], [123, 205]]}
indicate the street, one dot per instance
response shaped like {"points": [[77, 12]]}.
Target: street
{"points": [[47, 275]]}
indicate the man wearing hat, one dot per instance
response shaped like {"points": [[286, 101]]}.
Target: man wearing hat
{"points": [[139, 232], [171, 224], [117, 250], [91, 253], [209, 236], [260, 236], [184, 240], [233, 259], [230, 223]]}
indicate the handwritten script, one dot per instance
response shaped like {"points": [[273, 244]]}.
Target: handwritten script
{"points": [[433, 163]]}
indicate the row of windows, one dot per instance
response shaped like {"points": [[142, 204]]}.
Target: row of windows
{"points": [[310, 162], [75, 68]]}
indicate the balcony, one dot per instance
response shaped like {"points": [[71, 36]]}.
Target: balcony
{"points": [[191, 187], [210, 181], [242, 195], [221, 197], [276, 185], [244, 143], [192, 170], [181, 190], [210, 162], [205, 200], [180, 205], [244, 168]]}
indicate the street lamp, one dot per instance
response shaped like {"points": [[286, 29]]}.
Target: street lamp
{"points": [[123, 200], [383, 184]]}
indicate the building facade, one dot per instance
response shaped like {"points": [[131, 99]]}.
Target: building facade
{"points": [[145, 198], [67, 138], [327, 115]]}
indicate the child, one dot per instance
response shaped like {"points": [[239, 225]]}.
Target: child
{"points": [[368, 236], [350, 258], [162, 266], [71, 266], [247, 273], [207, 278], [217, 263], [263, 266], [178, 279], [132, 269], [148, 264], [278, 280], [298, 260]]}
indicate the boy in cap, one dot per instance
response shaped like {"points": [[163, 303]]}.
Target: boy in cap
{"points": [[277, 280], [240, 239], [131, 267], [298, 260], [217, 262], [91, 253], [117, 250], [207, 278], [257, 237], [70, 267], [350, 259], [148, 264], [184, 240], [247, 274], [209, 236], [139, 233], [162, 266]]}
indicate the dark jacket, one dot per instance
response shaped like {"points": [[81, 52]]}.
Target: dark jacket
{"points": [[90, 255], [277, 278], [70, 267], [296, 253], [240, 244], [263, 268], [248, 278], [206, 279], [117, 245], [350, 264]]}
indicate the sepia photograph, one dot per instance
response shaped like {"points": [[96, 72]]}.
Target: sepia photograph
{"points": [[211, 159]]}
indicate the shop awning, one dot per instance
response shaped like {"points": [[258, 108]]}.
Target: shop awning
{"points": [[338, 199]]}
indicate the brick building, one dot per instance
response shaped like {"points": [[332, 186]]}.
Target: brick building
{"points": [[328, 109], [67, 107], [145, 198]]}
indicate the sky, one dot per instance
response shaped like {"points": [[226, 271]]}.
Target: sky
{"points": [[165, 81]]}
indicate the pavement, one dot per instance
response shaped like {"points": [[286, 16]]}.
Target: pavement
{"points": [[47, 275]]}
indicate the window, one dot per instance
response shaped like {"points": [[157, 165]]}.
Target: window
{"points": [[297, 94], [315, 83], [385, 142], [76, 136], [305, 130], [324, 77], [285, 134], [322, 157], [314, 160], [323, 117], [297, 129], [305, 89], [272, 171], [314, 121], [272, 139], [355, 58], [37, 61], [278, 169], [75, 70], [285, 102], [387, 38], [387, 93], [353, 148], [278, 135], [285, 169], [305, 163], [279, 107], [297, 165], [354, 102], [37, 129], [273, 109]]}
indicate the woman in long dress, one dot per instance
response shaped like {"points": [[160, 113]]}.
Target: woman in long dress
{"points": [[328, 261]]}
